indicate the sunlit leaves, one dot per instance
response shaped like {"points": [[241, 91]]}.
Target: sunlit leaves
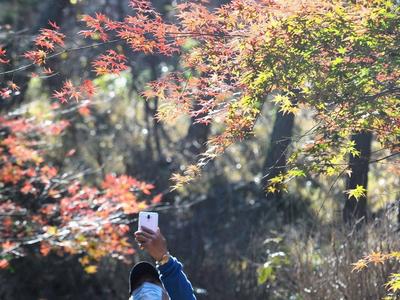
{"points": [[45, 43], [393, 285], [88, 88], [267, 272], [286, 105], [189, 174], [296, 173], [77, 93], [37, 57], [379, 258], [375, 258], [110, 63], [340, 57], [49, 38], [144, 31], [99, 25], [360, 265], [327, 53], [91, 269], [74, 218], [357, 193]]}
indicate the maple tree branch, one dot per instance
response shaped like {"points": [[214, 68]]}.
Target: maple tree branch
{"points": [[389, 91], [206, 34], [14, 214], [66, 50], [384, 158]]}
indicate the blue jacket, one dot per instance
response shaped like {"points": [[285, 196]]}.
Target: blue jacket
{"points": [[175, 281]]}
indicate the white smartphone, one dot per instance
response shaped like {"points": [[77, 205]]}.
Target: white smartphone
{"points": [[149, 220]]}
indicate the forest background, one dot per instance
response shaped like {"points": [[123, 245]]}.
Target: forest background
{"points": [[265, 133]]}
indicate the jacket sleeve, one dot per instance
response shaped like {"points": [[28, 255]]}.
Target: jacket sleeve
{"points": [[175, 280]]}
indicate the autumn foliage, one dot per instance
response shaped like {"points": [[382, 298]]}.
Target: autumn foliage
{"points": [[55, 211], [338, 59]]}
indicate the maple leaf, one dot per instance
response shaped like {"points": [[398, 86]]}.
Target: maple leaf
{"points": [[45, 248], [27, 188], [8, 246], [141, 5], [157, 199], [87, 33], [110, 63], [68, 85], [60, 95], [38, 56], [7, 223], [51, 37], [3, 60], [84, 111], [48, 172], [54, 25], [44, 44], [4, 264], [146, 188], [393, 284], [69, 91], [51, 230], [123, 228], [98, 25], [88, 88], [359, 265], [76, 95], [357, 193], [5, 93], [48, 209], [91, 269], [376, 258], [47, 71], [13, 86]]}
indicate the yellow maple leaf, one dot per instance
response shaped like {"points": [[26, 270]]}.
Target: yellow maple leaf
{"points": [[360, 265], [91, 269], [376, 258], [52, 230]]}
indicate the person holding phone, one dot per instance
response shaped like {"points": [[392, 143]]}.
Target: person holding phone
{"points": [[167, 280]]}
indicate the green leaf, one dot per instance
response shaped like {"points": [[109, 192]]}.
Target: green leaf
{"points": [[265, 273], [341, 50], [358, 192], [296, 173], [393, 284]]}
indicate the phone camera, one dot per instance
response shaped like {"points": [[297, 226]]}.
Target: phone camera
{"points": [[148, 216]]}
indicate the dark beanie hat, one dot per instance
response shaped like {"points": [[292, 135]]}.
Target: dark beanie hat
{"points": [[140, 269]]}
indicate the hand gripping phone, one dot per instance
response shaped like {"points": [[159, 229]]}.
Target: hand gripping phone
{"points": [[149, 220]]}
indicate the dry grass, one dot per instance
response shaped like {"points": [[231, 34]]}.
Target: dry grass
{"points": [[321, 267]]}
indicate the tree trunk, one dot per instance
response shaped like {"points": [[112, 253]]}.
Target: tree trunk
{"points": [[275, 162], [196, 137], [354, 209], [398, 213]]}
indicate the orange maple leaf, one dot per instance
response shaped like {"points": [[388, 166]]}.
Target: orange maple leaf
{"points": [[4, 263]]}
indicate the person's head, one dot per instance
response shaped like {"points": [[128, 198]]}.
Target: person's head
{"points": [[144, 283]]}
